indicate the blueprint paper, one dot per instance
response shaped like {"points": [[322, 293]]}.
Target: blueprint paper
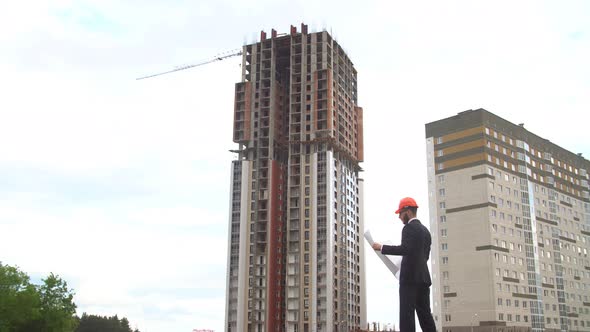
{"points": [[393, 263]]}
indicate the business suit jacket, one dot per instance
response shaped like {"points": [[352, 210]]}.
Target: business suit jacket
{"points": [[415, 249]]}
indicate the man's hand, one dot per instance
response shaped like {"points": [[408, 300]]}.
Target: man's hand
{"points": [[377, 246]]}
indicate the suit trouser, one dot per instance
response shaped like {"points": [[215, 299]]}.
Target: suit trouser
{"points": [[415, 298]]}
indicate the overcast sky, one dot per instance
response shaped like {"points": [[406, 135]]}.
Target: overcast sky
{"points": [[122, 186]]}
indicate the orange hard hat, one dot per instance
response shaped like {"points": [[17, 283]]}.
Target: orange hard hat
{"points": [[406, 202]]}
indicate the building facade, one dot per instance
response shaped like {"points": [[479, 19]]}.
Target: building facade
{"points": [[510, 218], [295, 231]]}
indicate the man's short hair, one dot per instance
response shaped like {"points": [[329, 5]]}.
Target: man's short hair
{"points": [[413, 209]]}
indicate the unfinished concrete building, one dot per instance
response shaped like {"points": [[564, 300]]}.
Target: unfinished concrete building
{"points": [[295, 229]]}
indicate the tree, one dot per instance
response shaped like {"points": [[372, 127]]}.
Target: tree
{"points": [[48, 307], [19, 299], [26, 307], [57, 308], [92, 323]]}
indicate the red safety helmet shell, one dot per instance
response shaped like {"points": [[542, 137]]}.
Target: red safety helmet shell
{"points": [[406, 202]]}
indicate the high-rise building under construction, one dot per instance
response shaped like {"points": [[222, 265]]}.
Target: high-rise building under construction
{"points": [[510, 219], [295, 230]]}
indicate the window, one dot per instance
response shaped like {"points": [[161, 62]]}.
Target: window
{"points": [[441, 192], [444, 246], [443, 232], [443, 219], [442, 205], [445, 260]]}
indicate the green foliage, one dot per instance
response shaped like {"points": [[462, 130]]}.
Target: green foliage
{"points": [[57, 305], [92, 323], [48, 307], [19, 300]]}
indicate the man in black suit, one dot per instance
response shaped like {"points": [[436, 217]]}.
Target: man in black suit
{"points": [[414, 279]]}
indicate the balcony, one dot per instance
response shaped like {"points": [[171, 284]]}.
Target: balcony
{"points": [[292, 316], [294, 225], [293, 270]]}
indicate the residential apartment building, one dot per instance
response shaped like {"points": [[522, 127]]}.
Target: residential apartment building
{"points": [[295, 247], [510, 219]]}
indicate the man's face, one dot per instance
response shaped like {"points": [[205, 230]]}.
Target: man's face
{"points": [[403, 215]]}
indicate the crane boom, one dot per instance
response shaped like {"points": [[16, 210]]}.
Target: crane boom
{"points": [[216, 58]]}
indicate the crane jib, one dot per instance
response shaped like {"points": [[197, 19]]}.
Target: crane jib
{"points": [[217, 58]]}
